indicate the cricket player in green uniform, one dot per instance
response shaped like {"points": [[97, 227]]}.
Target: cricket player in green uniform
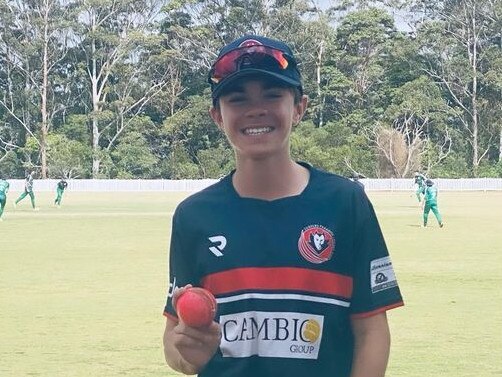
{"points": [[28, 190], [4, 188], [430, 202], [419, 185], [61, 186]]}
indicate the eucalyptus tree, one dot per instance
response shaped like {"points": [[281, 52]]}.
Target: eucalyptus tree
{"points": [[32, 44], [111, 36], [413, 124], [456, 37], [67, 158], [314, 42], [364, 39], [493, 75]]}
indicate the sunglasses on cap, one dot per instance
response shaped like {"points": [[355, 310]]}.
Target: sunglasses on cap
{"points": [[256, 56]]}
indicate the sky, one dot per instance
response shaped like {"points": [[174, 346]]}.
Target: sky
{"points": [[399, 17]]}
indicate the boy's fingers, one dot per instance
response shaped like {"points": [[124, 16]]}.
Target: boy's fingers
{"points": [[178, 291]]}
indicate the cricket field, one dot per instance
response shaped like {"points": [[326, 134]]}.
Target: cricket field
{"points": [[82, 287]]}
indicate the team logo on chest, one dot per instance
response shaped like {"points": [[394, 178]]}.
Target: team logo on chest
{"points": [[316, 244]]}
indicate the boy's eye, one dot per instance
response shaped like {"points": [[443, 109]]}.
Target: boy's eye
{"points": [[236, 98], [274, 95]]}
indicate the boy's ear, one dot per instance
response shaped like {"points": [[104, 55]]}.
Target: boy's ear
{"points": [[301, 107], [215, 114]]}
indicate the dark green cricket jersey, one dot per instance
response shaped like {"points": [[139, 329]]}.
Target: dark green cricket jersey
{"points": [[431, 194], [288, 274], [28, 184]]}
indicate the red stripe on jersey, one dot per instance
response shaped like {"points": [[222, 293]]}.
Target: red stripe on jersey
{"points": [[377, 311], [279, 278]]}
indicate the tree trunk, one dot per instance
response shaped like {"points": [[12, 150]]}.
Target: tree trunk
{"points": [[45, 72], [319, 93], [95, 109], [474, 100]]}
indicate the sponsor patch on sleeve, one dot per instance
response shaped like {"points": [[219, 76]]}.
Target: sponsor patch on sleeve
{"points": [[382, 275]]}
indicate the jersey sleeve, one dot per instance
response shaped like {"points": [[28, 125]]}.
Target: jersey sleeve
{"points": [[375, 287], [181, 270]]}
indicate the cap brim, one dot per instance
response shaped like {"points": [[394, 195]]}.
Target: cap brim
{"points": [[218, 89]]}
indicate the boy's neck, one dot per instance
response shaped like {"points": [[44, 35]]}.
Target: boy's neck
{"points": [[270, 180]]}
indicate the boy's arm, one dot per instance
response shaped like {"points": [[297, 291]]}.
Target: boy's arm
{"points": [[371, 346], [188, 349]]}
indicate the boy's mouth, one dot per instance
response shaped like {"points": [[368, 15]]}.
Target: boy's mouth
{"points": [[257, 130]]}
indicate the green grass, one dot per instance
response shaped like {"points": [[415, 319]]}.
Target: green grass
{"points": [[82, 288]]}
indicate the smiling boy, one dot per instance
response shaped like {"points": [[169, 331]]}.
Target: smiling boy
{"points": [[301, 272]]}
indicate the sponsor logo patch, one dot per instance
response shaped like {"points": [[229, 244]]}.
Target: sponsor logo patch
{"points": [[271, 334], [316, 244], [382, 275]]}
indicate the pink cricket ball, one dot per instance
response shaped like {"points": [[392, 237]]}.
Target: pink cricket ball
{"points": [[196, 307]]}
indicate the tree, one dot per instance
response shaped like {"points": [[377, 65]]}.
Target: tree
{"points": [[132, 157], [67, 158], [110, 35], [192, 131], [363, 38], [33, 42], [414, 123], [454, 49]]}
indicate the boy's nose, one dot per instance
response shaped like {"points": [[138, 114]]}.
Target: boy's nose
{"points": [[257, 110]]}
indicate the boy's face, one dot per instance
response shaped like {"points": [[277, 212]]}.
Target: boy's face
{"points": [[257, 117]]}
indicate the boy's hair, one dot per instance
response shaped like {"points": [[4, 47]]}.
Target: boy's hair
{"points": [[254, 56]]}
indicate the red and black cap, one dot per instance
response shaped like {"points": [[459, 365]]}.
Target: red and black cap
{"points": [[253, 55]]}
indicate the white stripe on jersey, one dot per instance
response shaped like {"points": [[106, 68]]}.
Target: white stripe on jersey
{"points": [[282, 296]]}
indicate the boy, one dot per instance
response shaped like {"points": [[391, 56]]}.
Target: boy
{"points": [[294, 255], [28, 190], [4, 189], [60, 187], [430, 203]]}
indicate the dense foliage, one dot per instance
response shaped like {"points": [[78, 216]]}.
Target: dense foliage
{"points": [[118, 89]]}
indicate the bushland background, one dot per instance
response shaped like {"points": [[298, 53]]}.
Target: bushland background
{"points": [[118, 88]]}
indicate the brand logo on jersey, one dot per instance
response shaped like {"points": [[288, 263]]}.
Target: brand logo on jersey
{"points": [[382, 274], [220, 243], [316, 244], [271, 334]]}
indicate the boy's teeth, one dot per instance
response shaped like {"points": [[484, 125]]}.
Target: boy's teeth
{"points": [[257, 131]]}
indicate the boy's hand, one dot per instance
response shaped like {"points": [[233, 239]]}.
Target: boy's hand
{"points": [[196, 345]]}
